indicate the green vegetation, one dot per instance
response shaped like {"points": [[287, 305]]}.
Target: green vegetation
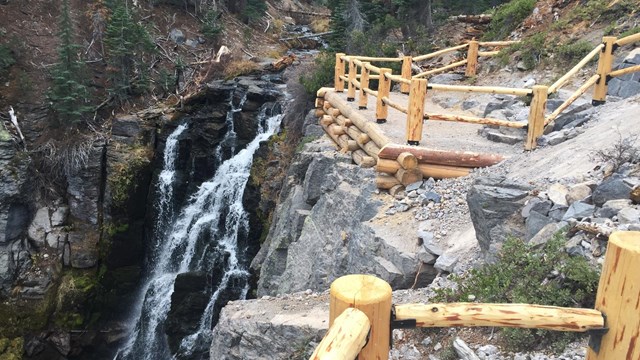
{"points": [[68, 96], [320, 75], [629, 32], [123, 178], [524, 274], [6, 57], [530, 50], [128, 45], [572, 52], [211, 26], [508, 17], [11, 349]]}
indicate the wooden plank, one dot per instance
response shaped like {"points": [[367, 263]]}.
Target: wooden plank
{"points": [[481, 89], [504, 315], [536, 116], [563, 80], [371, 129], [346, 337], [438, 53], [372, 296], [441, 157], [619, 298], [415, 112]]}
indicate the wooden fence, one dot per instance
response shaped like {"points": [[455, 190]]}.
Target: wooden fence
{"points": [[361, 71], [362, 315]]}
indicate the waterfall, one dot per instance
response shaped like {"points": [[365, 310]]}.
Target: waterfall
{"points": [[203, 236]]}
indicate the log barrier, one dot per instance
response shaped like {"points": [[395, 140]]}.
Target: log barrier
{"points": [[614, 324]]}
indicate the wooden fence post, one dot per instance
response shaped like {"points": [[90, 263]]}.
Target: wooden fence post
{"points": [[472, 58], [372, 296], [536, 116], [339, 71], [618, 299], [384, 87], [415, 115], [605, 64], [364, 84], [406, 74], [351, 90]]}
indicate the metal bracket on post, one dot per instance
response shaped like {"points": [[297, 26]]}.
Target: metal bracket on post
{"points": [[595, 336], [399, 324]]}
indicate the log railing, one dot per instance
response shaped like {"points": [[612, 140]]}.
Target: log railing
{"points": [[613, 324], [361, 72]]}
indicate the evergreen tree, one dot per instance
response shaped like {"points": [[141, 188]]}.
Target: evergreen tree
{"points": [[127, 43], [68, 95]]}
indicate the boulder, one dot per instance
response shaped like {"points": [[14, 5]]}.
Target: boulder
{"points": [[526, 210], [446, 262], [579, 210], [557, 212], [612, 207], [611, 189], [494, 204], [546, 233], [177, 36], [578, 192], [535, 222], [557, 193], [40, 226], [629, 215]]}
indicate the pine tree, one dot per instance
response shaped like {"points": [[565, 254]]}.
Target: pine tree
{"points": [[127, 43], [68, 95]]}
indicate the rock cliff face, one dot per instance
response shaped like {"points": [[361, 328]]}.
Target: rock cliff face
{"points": [[323, 228]]}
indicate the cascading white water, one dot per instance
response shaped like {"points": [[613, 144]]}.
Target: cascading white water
{"points": [[203, 236]]}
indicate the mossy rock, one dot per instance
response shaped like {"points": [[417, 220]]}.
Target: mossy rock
{"points": [[11, 349]]}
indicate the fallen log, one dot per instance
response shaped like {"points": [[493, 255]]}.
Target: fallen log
{"points": [[441, 157]]}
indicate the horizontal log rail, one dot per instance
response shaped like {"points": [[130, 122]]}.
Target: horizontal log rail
{"points": [[398, 78], [439, 52], [488, 53], [624, 71], [504, 315], [498, 43], [563, 80], [475, 120], [441, 69], [481, 89], [346, 337], [395, 105], [583, 89], [371, 92], [371, 58], [628, 40]]}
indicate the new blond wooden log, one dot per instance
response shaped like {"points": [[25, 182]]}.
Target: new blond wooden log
{"points": [[407, 160], [326, 106], [334, 112], [438, 53], [354, 132], [361, 158], [339, 72], [384, 87], [406, 74], [326, 120], [628, 40], [488, 53], [351, 88], [441, 157], [320, 113], [357, 119], [372, 68], [475, 120], [605, 63], [323, 90], [336, 129], [346, 337], [399, 79], [498, 43], [439, 70], [583, 89], [319, 102], [347, 144], [342, 121], [563, 80], [386, 181], [331, 136], [618, 298], [364, 84], [372, 296], [428, 170], [392, 104], [371, 149], [481, 89], [503, 315], [378, 59], [536, 116], [408, 176], [472, 58], [415, 113], [624, 71], [371, 92]]}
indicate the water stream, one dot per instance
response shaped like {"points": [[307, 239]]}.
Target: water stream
{"points": [[201, 236]]}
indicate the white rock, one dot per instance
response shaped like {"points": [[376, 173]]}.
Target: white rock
{"points": [[558, 194]]}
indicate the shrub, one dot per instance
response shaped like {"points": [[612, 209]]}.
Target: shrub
{"points": [[6, 57], [507, 17], [320, 75], [624, 151], [523, 274], [574, 51], [211, 26], [531, 51]]}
